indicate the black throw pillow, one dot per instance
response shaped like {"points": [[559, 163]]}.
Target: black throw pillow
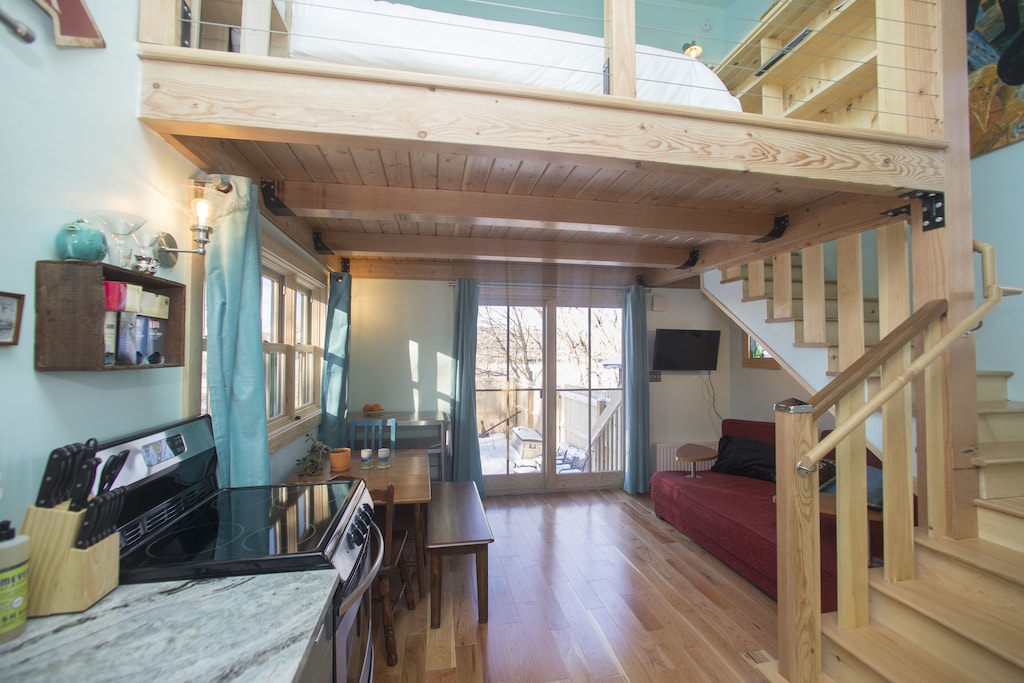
{"points": [[745, 458]]}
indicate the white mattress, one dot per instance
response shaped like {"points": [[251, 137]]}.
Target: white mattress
{"points": [[388, 35]]}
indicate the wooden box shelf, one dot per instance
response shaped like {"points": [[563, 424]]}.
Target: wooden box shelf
{"points": [[70, 307]]}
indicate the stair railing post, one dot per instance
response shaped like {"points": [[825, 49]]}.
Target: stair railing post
{"points": [[799, 544]]}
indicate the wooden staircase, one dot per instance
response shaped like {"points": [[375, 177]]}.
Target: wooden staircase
{"points": [[961, 617]]}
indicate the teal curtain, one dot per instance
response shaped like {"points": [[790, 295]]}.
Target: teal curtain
{"points": [[334, 384], [465, 446], [234, 343], [637, 397]]}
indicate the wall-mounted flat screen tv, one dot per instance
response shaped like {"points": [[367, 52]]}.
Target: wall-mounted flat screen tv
{"points": [[685, 350]]}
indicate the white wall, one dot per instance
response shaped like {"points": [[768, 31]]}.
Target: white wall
{"points": [[681, 407], [995, 191], [71, 144], [755, 391], [401, 345]]}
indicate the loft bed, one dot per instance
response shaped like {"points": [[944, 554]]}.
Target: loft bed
{"points": [[387, 35], [435, 173]]}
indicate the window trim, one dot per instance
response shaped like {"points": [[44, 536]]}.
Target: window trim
{"points": [[299, 273]]}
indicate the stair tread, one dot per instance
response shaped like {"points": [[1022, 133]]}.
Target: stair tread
{"points": [[999, 453], [1000, 406], [888, 653], [1010, 506], [998, 560], [996, 373], [990, 621]]}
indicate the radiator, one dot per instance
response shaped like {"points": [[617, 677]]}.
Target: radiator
{"points": [[665, 456]]}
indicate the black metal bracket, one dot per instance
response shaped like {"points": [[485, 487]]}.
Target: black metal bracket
{"points": [[898, 211], [318, 244], [268, 188], [781, 223], [640, 280], [692, 261], [933, 208]]}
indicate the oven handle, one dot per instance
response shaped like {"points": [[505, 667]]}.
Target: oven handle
{"points": [[356, 594]]}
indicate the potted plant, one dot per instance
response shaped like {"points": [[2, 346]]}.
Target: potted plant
{"points": [[312, 462]]}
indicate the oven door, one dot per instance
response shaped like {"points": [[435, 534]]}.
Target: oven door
{"points": [[353, 639]]}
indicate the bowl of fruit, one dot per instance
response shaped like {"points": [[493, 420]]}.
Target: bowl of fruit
{"points": [[373, 409]]}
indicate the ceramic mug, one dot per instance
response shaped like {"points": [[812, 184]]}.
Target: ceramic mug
{"points": [[383, 458], [366, 458]]}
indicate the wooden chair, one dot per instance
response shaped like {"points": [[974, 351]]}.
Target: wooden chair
{"points": [[394, 544], [373, 431]]}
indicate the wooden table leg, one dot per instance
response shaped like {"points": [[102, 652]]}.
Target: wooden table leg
{"points": [[421, 550], [435, 589], [481, 582]]}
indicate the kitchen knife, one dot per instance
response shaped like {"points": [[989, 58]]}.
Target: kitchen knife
{"points": [[111, 468], [109, 512], [66, 477], [84, 478], [51, 479], [75, 456], [85, 532]]}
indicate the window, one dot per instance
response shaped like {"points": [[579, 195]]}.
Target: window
{"points": [[293, 295], [755, 355]]}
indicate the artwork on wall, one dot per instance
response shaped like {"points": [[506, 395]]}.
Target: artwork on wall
{"points": [[10, 317], [995, 64]]}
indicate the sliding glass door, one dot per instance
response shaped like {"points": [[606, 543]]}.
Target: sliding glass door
{"points": [[509, 384], [530, 348]]}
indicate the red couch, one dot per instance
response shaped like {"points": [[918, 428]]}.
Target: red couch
{"points": [[733, 517]]}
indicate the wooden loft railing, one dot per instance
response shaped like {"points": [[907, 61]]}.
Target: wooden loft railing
{"points": [[799, 601]]}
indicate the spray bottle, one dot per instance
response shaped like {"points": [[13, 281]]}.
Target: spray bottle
{"points": [[13, 582]]}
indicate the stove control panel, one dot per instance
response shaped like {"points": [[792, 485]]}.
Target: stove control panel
{"points": [[354, 531]]}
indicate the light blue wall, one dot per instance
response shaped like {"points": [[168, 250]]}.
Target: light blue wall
{"points": [[995, 197], [72, 143], [668, 24]]}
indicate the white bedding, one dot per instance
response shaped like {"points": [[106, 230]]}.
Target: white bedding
{"points": [[394, 36]]}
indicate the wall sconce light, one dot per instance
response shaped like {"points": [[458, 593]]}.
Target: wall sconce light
{"points": [[205, 203], [692, 49]]}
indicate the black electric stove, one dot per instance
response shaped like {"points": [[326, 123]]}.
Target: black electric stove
{"points": [[177, 523]]}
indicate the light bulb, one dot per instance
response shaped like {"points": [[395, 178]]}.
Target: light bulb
{"points": [[202, 211]]}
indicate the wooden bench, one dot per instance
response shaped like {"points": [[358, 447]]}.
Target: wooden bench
{"points": [[456, 525]]}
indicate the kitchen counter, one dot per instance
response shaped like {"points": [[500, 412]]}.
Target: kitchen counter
{"points": [[245, 628]]}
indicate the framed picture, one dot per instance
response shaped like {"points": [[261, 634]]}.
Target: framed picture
{"points": [[755, 355], [10, 317]]}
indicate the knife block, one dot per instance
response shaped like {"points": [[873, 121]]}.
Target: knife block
{"points": [[61, 577]]}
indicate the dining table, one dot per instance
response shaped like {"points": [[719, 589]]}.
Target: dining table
{"points": [[409, 471]]}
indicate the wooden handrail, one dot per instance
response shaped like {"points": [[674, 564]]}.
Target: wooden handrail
{"points": [[862, 368], [993, 293]]}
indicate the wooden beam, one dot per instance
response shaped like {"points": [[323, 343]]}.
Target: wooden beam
{"points": [[834, 217], [492, 271], [486, 249], [225, 95], [334, 200]]}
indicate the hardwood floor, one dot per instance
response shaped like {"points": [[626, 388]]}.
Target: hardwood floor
{"points": [[586, 586]]}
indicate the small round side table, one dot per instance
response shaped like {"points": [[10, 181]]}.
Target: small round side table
{"points": [[694, 453]]}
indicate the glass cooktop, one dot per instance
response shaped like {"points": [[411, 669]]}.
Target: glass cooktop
{"points": [[246, 531]]}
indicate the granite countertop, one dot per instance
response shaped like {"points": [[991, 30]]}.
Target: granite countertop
{"points": [[245, 628]]}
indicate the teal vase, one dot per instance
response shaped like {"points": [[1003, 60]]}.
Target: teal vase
{"points": [[79, 240]]}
